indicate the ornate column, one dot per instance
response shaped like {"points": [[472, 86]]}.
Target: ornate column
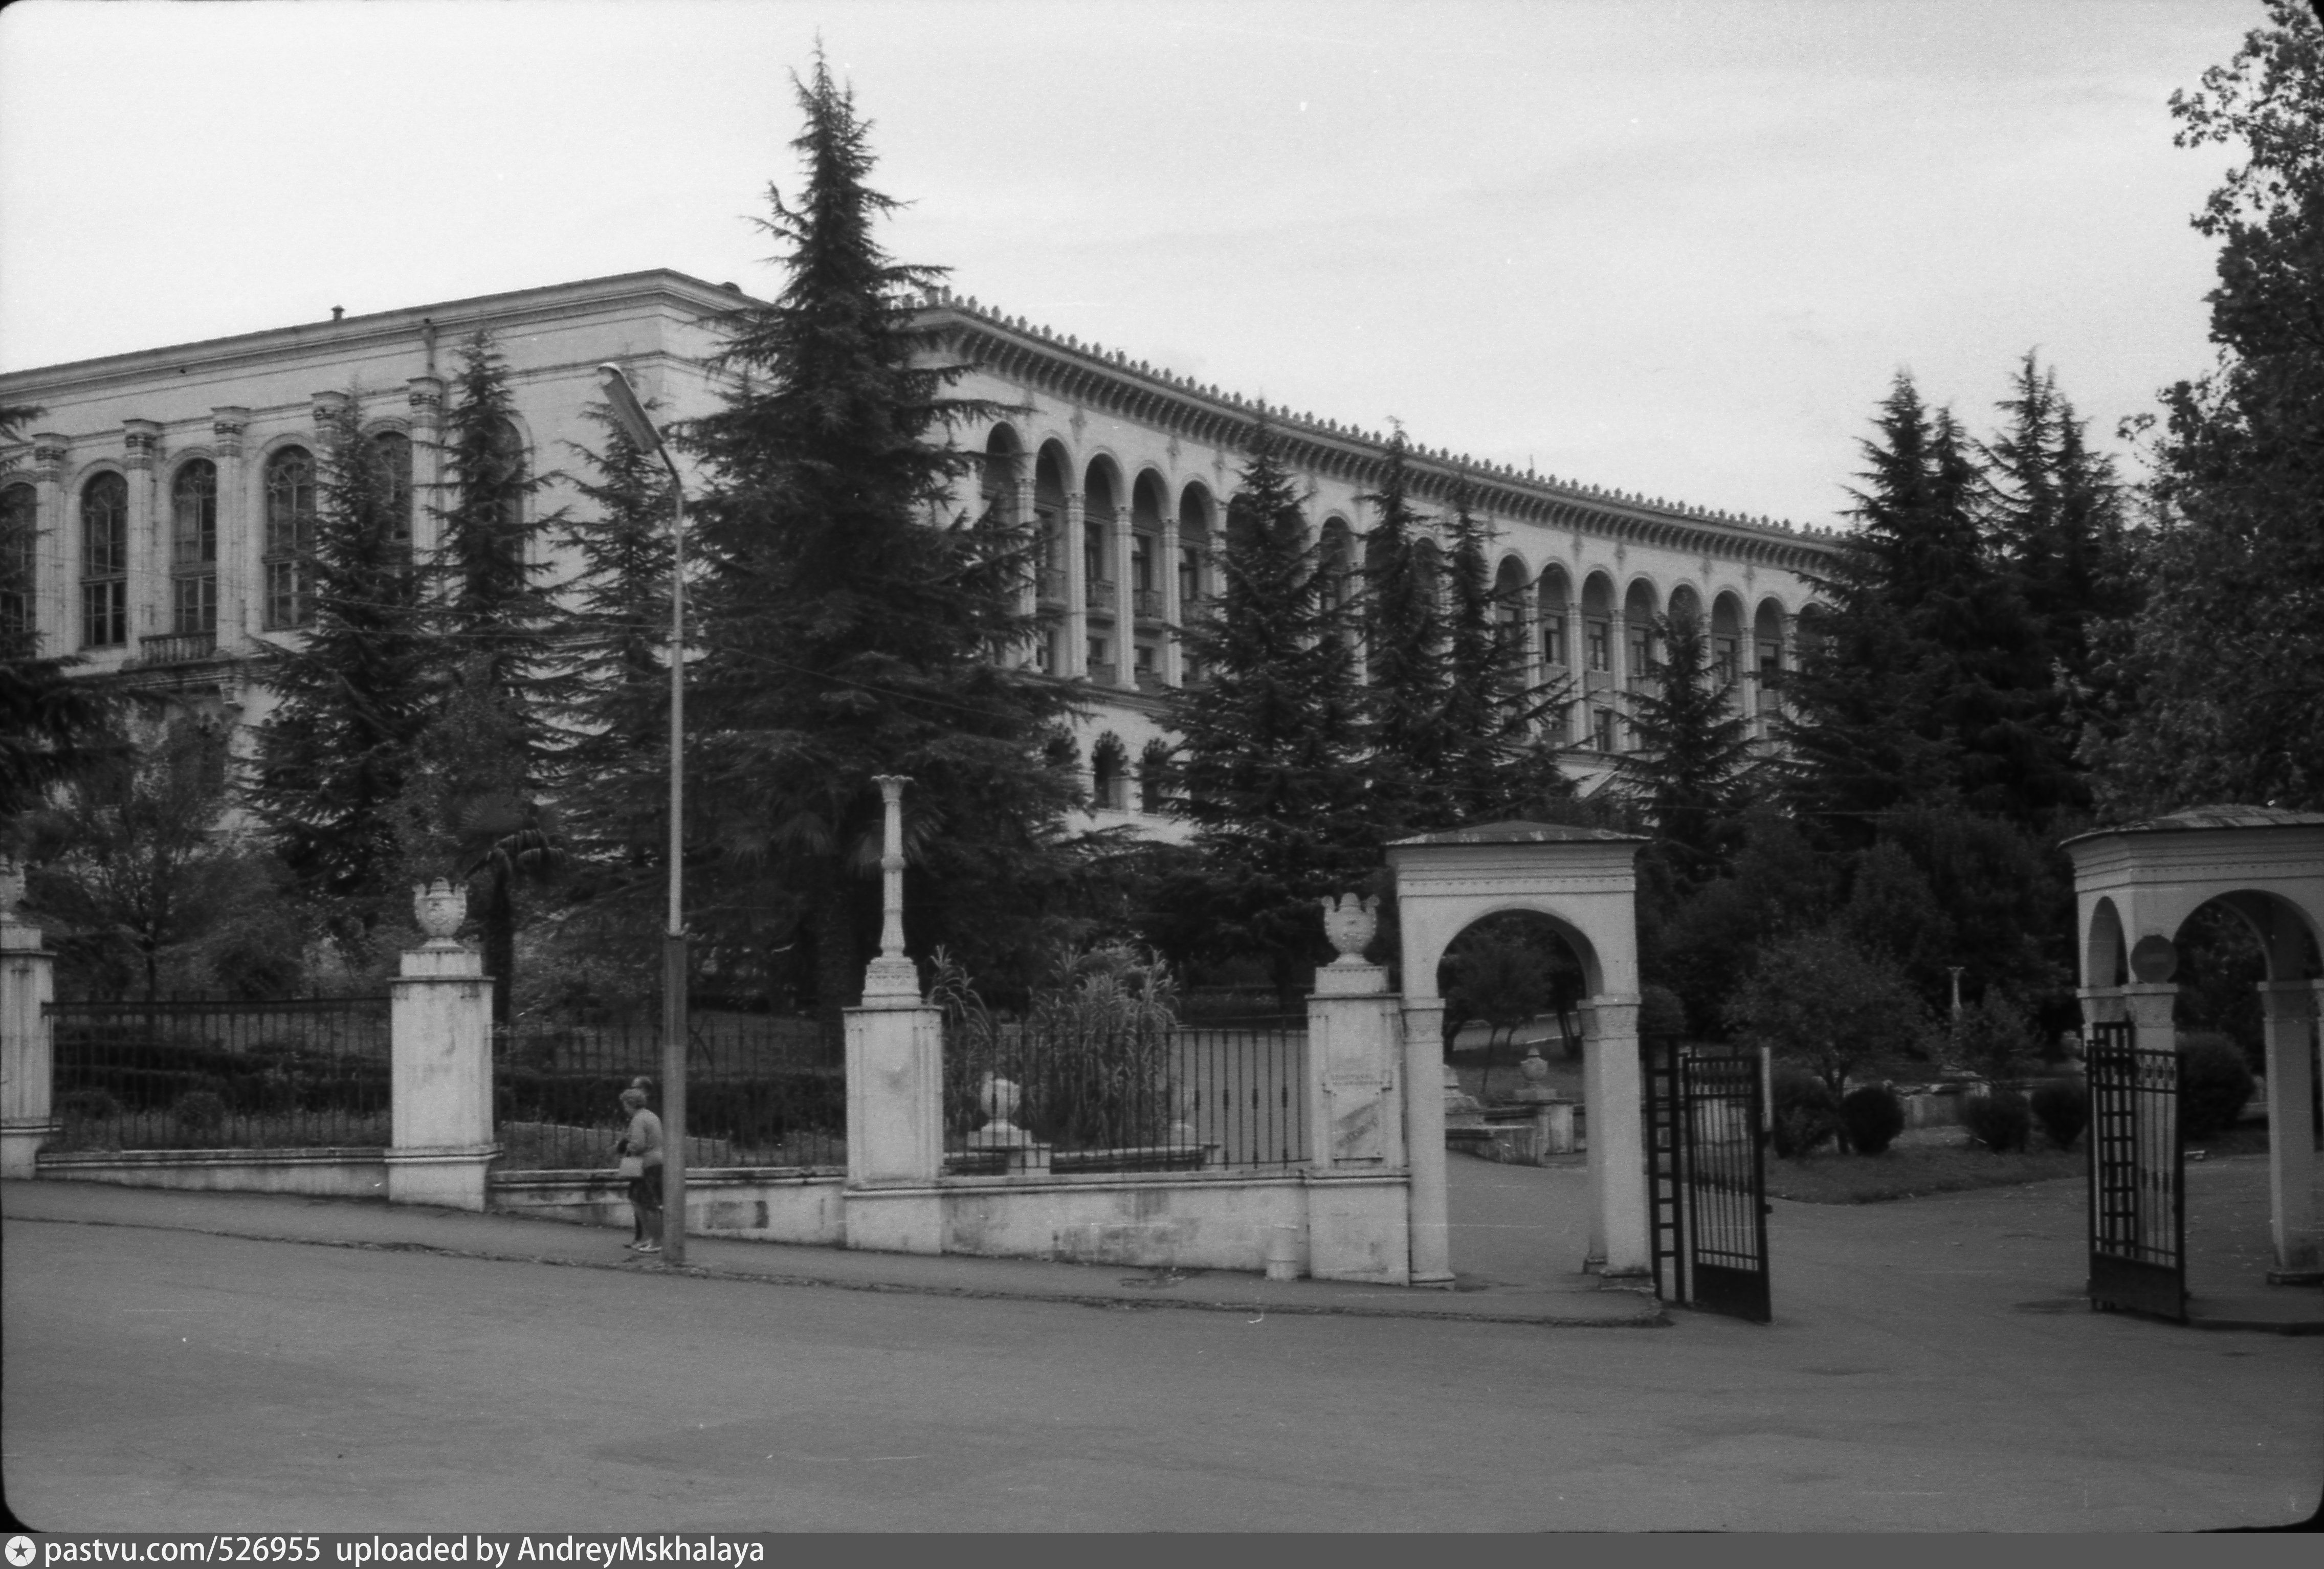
{"points": [[149, 533], [423, 398], [2289, 1008], [240, 526], [894, 1080], [55, 562], [1618, 669], [1074, 660], [1173, 612], [440, 1063], [1125, 599], [27, 984]]}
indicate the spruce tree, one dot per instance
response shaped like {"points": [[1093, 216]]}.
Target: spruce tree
{"points": [[1270, 742], [356, 688], [1693, 771], [851, 623]]}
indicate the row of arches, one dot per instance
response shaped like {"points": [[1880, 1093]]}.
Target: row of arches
{"points": [[1120, 564]]}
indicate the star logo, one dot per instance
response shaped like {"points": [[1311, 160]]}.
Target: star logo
{"points": [[20, 1551]]}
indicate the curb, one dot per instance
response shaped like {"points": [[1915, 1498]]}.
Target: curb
{"points": [[1658, 1319]]}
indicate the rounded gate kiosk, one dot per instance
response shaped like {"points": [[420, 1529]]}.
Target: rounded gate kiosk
{"points": [[1584, 880], [2135, 890]]}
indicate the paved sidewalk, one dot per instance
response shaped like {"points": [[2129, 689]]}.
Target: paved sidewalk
{"points": [[1506, 1295]]}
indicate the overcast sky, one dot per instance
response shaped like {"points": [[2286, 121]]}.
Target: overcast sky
{"points": [[1672, 247]]}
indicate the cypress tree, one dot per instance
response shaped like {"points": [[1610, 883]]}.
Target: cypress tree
{"points": [[852, 623], [1406, 678], [1271, 743], [356, 689], [1493, 767], [501, 622]]}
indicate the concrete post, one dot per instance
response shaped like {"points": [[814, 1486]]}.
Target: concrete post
{"points": [[2287, 1006], [440, 1047], [1354, 1038], [895, 1081], [1614, 1086], [1424, 1139], [27, 1053], [2149, 1004]]}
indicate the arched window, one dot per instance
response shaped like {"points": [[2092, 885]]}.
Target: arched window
{"points": [[193, 547], [290, 537], [1110, 774], [104, 562], [509, 469], [395, 450], [20, 526]]}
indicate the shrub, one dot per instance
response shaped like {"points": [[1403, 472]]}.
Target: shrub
{"points": [[1873, 1116], [200, 1114], [2062, 1107], [2001, 1122], [88, 1106], [2214, 1083], [1807, 1117]]}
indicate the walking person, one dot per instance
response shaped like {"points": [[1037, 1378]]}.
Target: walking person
{"points": [[641, 1153]]}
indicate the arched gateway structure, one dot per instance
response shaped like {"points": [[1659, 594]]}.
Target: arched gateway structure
{"points": [[1585, 882], [2134, 889]]}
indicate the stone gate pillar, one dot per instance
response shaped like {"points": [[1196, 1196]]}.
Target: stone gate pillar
{"points": [[1357, 1216], [1423, 1138], [2289, 1009], [27, 1051], [1614, 1087], [440, 1076]]}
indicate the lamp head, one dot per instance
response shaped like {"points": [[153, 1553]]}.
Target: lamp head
{"points": [[627, 412]]}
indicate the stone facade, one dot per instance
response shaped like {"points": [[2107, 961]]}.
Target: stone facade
{"points": [[149, 475]]}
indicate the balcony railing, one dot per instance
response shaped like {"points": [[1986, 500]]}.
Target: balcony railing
{"points": [[176, 648], [1100, 593], [1146, 603], [1050, 585], [1149, 680], [1101, 675]]}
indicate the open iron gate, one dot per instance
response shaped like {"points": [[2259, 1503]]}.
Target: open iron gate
{"points": [[2139, 1176], [1706, 1161]]}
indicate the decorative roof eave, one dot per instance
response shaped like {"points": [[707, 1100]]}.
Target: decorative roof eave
{"points": [[2204, 819], [1017, 350]]}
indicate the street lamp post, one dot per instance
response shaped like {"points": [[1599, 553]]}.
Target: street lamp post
{"points": [[631, 415]]}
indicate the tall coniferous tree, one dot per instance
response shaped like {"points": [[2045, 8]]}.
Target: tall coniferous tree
{"points": [[501, 623], [850, 624], [1407, 682], [1692, 771], [1494, 767], [1270, 752], [356, 688], [52, 724]]}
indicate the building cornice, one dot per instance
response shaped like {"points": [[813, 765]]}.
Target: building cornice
{"points": [[1089, 375], [332, 340]]}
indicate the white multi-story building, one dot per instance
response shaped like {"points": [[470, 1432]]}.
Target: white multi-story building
{"points": [[168, 491]]}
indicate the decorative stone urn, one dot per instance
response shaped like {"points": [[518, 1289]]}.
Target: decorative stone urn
{"points": [[439, 907], [1351, 925], [1536, 1070], [1000, 1098]]}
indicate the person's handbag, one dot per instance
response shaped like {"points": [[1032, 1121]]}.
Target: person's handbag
{"points": [[633, 1166]]}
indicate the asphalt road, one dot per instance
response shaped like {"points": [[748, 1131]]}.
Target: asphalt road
{"points": [[1924, 1373]]}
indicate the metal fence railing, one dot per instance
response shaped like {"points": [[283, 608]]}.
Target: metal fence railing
{"points": [[761, 1091], [179, 1074], [1187, 1099]]}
